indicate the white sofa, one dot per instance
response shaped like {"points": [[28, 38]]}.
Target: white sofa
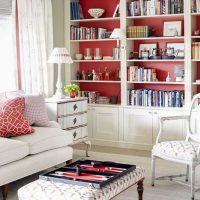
{"points": [[24, 155]]}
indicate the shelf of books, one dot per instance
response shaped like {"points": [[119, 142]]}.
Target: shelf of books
{"points": [[97, 63], [195, 45], [155, 54]]}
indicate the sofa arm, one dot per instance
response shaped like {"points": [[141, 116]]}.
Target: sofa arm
{"points": [[54, 124]]}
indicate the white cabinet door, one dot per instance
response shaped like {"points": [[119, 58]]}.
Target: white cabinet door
{"points": [[137, 126], [105, 123], [173, 129]]}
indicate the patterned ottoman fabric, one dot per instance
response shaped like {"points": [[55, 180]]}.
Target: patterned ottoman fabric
{"points": [[47, 190], [177, 149]]}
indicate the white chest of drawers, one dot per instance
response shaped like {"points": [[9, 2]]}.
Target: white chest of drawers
{"points": [[71, 114]]}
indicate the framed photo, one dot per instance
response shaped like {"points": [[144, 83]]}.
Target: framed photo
{"points": [[179, 49], [145, 50], [172, 28]]}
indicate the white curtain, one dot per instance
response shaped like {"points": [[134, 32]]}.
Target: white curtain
{"points": [[36, 44], [8, 67]]}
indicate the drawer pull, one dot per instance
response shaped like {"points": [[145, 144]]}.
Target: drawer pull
{"points": [[75, 134], [75, 107], [75, 120]]}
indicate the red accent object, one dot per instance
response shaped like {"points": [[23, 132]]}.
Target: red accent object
{"points": [[72, 94], [12, 120]]}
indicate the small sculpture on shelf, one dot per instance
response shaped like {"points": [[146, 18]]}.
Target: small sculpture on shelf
{"points": [[95, 75], [196, 32], [168, 78], [90, 75], [84, 75], [78, 75], [100, 75], [107, 74]]}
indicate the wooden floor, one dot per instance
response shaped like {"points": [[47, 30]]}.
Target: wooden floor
{"points": [[163, 190]]}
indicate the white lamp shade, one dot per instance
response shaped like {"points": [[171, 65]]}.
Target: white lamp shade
{"points": [[60, 55], [117, 34]]}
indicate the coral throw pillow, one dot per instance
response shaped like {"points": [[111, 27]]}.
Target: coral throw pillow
{"points": [[35, 110], [12, 120]]}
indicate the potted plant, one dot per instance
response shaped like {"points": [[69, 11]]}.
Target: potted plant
{"points": [[72, 89]]}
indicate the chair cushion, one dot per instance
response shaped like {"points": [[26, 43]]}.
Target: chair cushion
{"points": [[183, 150], [11, 150], [45, 139]]}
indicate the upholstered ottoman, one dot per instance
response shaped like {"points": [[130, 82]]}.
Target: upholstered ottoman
{"points": [[47, 190]]}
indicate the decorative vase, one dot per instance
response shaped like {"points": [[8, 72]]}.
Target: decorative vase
{"points": [[72, 94]]}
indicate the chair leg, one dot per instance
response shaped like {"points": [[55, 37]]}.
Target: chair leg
{"points": [[192, 182], [187, 173], [153, 166]]}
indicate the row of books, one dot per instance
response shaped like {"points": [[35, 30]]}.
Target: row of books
{"points": [[195, 6], [84, 33], [135, 73], [76, 11], [155, 7], [144, 97], [138, 31], [196, 50]]}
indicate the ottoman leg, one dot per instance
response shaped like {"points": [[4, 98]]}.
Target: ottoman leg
{"points": [[140, 190], [4, 189]]}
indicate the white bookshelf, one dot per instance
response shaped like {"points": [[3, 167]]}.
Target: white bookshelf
{"points": [[93, 81], [93, 61], [93, 40], [156, 83], [158, 38], [172, 60], [121, 114], [96, 20], [155, 16]]}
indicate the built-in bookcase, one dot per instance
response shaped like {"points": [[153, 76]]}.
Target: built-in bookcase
{"points": [[195, 46], [122, 87], [109, 86]]}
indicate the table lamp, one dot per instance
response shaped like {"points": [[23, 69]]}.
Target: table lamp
{"points": [[117, 34], [59, 56]]}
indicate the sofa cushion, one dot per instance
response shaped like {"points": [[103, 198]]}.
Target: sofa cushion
{"points": [[35, 111], [12, 120], [45, 139], [12, 150]]}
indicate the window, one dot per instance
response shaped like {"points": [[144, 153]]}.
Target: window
{"points": [[8, 72]]}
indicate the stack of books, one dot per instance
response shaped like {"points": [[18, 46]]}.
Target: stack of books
{"points": [[76, 11], [138, 31], [196, 50], [195, 6], [155, 7], [84, 33], [135, 73], [144, 97]]}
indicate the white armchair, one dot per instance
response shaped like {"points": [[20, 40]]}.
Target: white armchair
{"points": [[186, 151]]}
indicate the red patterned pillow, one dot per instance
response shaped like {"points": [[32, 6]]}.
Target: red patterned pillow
{"points": [[12, 120]]}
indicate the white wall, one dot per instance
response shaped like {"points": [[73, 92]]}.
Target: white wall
{"points": [[58, 31]]}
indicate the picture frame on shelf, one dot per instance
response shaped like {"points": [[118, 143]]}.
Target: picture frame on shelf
{"points": [[146, 50], [179, 49], [172, 28]]}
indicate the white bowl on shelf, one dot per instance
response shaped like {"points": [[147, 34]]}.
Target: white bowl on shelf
{"points": [[96, 12]]}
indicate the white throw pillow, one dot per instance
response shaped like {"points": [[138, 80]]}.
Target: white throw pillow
{"points": [[35, 111]]}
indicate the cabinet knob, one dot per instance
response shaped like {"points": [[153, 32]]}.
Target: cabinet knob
{"points": [[75, 106], [75, 134], [75, 120]]}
